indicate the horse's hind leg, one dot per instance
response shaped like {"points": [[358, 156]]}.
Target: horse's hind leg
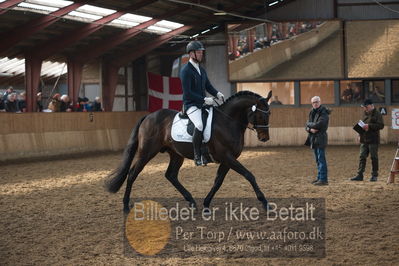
{"points": [[222, 171], [239, 168], [133, 173], [172, 173]]}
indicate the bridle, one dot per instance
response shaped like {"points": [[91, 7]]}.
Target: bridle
{"points": [[254, 109], [254, 125]]}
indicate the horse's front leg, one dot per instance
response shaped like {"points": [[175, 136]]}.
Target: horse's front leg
{"points": [[221, 173], [239, 168]]}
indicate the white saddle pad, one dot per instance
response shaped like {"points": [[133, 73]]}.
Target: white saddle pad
{"points": [[179, 129]]}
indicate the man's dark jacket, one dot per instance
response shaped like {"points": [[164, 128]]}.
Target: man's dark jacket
{"points": [[318, 119], [376, 123], [194, 86]]}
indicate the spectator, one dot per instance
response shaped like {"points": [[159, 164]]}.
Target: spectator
{"points": [[316, 126], [376, 95], [357, 94], [257, 44], [39, 105], [275, 101], [22, 102], [65, 105], [80, 105], [55, 103], [83, 105], [369, 140], [7, 92], [87, 105], [347, 94], [11, 104], [96, 106]]}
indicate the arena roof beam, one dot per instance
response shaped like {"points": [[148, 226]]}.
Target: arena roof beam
{"points": [[8, 4], [101, 47], [130, 53], [59, 43], [19, 33]]}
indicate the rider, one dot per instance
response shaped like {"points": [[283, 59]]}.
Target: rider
{"points": [[195, 81]]}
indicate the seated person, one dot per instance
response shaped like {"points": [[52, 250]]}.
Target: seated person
{"points": [[96, 105], [376, 95], [347, 94], [275, 101], [22, 102], [357, 95], [11, 105]]}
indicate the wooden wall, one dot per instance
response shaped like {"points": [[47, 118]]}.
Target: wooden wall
{"points": [[48, 134]]}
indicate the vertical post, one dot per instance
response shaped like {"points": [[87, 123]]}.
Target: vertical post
{"points": [[109, 85], [297, 93], [75, 70], [388, 91], [337, 93], [33, 68]]}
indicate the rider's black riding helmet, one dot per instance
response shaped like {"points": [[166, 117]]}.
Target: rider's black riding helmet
{"points": [[194, 46]]}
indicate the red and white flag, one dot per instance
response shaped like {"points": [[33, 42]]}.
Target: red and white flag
{"points": [[164, 92]]}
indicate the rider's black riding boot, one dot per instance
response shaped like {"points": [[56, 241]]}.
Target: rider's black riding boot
{"points": [[197, 142]]}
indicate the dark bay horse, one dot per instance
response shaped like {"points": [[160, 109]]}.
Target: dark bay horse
{"points": [[152, 134]]}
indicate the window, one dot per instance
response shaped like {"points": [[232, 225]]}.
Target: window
{"points": [[375, 91], [283, 92], [351, 91], [395, 91], [324, 89]]}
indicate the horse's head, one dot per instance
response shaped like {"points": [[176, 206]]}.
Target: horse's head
{"points": [[258, 117]]}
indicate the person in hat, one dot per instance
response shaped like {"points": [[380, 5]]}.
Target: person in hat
{"points": [[369, 140], [195, 82]]}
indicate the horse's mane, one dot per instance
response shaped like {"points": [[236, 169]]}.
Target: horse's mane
{"points": [[240, 94]]}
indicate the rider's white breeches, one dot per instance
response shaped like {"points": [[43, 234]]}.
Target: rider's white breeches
{"points": [[194, 113]]}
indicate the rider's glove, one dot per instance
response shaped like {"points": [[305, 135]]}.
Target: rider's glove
{"points": [[220, 96], [208, 100]]}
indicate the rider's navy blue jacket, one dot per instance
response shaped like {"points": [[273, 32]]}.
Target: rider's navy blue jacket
{"points": [[194, 86]]}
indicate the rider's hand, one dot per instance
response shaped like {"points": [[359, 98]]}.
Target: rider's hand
{"points": [[208, 100], [220, 96]]}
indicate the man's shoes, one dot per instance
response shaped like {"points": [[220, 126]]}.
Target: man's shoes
{"points": [[373, 179], [314, 181], [320, 183], [357, 178]]}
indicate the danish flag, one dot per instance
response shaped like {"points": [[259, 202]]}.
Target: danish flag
{"points": [[164, 92]]}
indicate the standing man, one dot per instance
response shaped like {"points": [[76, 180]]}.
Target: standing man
{"points": [[316, 126], [369, 140], [195, 81]]}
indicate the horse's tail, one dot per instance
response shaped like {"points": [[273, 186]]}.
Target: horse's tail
{"points": [[115, 179]]}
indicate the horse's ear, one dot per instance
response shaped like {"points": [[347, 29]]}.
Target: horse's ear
{"points": [[269, 95]]}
